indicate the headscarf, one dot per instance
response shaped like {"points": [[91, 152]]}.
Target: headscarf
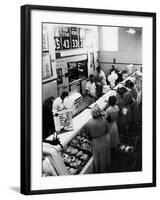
{"points": [[96, 112]]}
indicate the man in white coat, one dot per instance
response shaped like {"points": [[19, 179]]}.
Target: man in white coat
{"points": [[58, 102], [100, 75]]}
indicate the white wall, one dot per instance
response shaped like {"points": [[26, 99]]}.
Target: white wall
{"points": [[129, 51], [10, 101], [129, 48]]}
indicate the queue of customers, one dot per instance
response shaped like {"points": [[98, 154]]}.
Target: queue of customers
{"points": [[105, 127]]}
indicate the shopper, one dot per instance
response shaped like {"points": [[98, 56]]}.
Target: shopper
{"points": [[134, 106], [112, 115], [132, 89], [97, 130], [124, 101]]}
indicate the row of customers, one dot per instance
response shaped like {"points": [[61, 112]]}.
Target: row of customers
{"points": [[105, 127], [128, 99]]}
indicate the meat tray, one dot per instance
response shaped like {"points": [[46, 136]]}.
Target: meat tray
{"points": [[77, 153]]}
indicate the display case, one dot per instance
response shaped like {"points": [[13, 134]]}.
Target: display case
{"points": [[73, 159], [77, 153], [76, 156]]}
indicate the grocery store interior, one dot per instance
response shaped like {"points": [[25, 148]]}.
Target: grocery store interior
{"points": [[92, 99]]}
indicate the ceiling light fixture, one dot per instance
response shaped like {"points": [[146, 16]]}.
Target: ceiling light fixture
{"points": [[131, 30]]}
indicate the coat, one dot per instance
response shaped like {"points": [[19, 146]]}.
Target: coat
{"points": [[112, 111], [97, 130]]}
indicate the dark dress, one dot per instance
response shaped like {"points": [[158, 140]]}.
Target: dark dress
{"points": [[112, 111], [134, 105], [98, 132], [124, 120]]}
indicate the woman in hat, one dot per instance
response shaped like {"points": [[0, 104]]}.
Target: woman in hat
{"points": [[97, 130]]}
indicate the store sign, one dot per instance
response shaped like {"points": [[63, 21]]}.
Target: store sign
{"points": [[63, 120]]}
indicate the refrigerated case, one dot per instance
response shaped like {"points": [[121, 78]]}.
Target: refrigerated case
{"points": [[74, 142], [77, 153], [75, 157]]}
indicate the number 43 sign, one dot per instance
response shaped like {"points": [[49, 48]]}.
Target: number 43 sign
{"points": [[68, 39]]}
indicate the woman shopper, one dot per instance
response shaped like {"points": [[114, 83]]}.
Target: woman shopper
{"points": [[134, 106], [97, 131], [112, 116], [124, 101]]}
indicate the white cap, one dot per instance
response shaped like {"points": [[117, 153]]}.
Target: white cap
{"points": [[68, 103]]}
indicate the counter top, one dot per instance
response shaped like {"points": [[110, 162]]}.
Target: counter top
{"points": [[78, 122]]}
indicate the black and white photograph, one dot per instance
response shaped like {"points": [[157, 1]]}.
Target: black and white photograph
{"points": [[92, 106], [88, 99]]}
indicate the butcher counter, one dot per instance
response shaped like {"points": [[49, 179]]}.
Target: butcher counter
{"points": [[75, 157]]}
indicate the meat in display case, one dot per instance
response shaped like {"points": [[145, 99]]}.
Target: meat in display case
{"points": [[77, 153], [74, 158]]}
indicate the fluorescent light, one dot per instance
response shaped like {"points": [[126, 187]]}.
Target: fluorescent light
{"points": [[131, 30]]}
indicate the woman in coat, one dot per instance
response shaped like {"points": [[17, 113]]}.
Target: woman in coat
{"points": [[124, 101], [112, 116], [97, 130], [134, 106]]}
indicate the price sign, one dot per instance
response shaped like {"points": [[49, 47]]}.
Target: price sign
{"points": [[65, 34], [58, 45], [57, 38], [81, 43], [75, 37], [81, 38], [66, 43]]}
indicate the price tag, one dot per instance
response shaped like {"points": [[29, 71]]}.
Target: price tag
{"points": [[66, 43], [75, 43], [81, 38], [58, 45], [75, 37], [81, 44], [65, 34]]}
